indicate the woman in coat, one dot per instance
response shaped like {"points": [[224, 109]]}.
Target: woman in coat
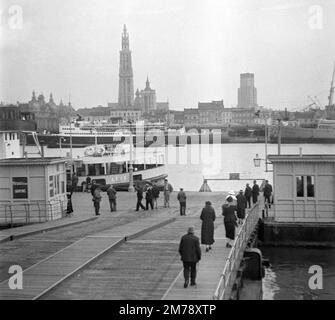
{"points": [[207, 228], [228, 211]]}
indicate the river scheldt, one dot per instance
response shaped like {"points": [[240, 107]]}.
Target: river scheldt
{"points": [[188, 165]]}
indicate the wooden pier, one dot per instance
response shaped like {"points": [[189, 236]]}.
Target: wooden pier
{"points": [[136, 259]]}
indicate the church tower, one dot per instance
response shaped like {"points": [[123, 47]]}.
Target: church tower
{"points": [[126, 83]]}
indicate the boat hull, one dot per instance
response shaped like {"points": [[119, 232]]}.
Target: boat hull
{"points": [[304, 135]]}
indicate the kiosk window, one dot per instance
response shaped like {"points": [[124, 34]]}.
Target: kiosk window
{"points": [[20, 187]]}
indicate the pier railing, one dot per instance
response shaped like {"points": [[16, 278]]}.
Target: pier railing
{"points": [[33, 212], [236, 253]]}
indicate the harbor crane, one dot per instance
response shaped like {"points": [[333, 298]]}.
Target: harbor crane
{"points": [[331, 92]]}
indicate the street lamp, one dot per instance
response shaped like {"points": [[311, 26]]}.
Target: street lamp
{"points": [[131, 177], [257, 163]]}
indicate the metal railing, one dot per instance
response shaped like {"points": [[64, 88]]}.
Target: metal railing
{"points": [[237, 251], [31, 212]]}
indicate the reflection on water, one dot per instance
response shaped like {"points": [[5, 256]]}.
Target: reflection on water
{"points": [[287, 278]]}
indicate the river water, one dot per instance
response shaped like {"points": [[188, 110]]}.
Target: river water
{"points": [[188, 165]]}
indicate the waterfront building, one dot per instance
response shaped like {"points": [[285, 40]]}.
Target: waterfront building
{"points": [[126, 82], [191, 117], [227, 116], [243, 116], [247, 93], [125, 115], [162, 106], [148, 98], [176, 118], [210, 112], [32, 190], [304, 188], [48, 115]]}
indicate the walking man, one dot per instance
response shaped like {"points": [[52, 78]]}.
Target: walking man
{"points": [[148, 198], [96, 200], [167, 190], [111, 192], [267, 191], [139, 194], [155, 195], [190, 252], [182, 200], [255, 192], [247, 194]]}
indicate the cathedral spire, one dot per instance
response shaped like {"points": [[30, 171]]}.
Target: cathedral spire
{"points": [[147, 84], [126, 82], [125, 39]]}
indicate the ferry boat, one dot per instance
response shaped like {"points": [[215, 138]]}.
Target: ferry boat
{"points": [[324, 133], [79, 134], [110, 164]]}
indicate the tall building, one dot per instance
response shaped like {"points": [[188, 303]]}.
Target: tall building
{"points": [[126, 82], [148, 96], [247, 93]]}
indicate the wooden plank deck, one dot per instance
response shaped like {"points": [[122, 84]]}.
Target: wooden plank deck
{"points": [[46, 274], [209, 271]]}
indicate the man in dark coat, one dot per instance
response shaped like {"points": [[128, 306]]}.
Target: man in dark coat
{"points": [[182, 201], [96, 200], [255, 192], [148, 198], [247, 194], [74, 182], [207, 228], [139, 194], [267, 191], [241, 205], [111, 192], [155, 195], [190, 252]]}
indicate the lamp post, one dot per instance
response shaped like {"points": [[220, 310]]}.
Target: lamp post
{"points": [[131, 177], [257, 162]]}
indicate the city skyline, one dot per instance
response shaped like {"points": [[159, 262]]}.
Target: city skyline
{"points": [[191, 52]]}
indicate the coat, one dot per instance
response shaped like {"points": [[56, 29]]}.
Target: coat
{"points": [[255, 189], [97, 195], [148, 194], [241, 205], [155, 192], [181, 196], [189, 248], [207, 228], [228, 211], [167, 188], [247, 192], [111, 193], [267, 189]]}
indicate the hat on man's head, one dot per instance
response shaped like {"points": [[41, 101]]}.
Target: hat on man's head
{"points": [[229, 199], [190, 229]]}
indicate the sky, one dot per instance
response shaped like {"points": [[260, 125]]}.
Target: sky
{"points": [[192, 50]]}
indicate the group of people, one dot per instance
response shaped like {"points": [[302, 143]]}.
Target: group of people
{"points": [[151, 196], [96, 197], [233, 211]]}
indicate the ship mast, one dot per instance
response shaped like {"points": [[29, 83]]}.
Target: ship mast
{"points": [[331, 93]]}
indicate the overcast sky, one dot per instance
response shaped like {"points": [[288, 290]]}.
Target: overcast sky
{"points": [[191, 50]]}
